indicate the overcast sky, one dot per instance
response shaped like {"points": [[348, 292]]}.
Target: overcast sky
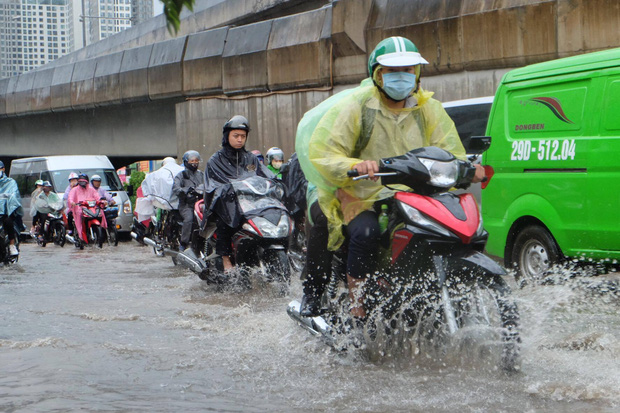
{"points": [[158, 7]]}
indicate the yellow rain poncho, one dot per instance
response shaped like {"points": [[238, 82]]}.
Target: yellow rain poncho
{"points": [[358, 127]]}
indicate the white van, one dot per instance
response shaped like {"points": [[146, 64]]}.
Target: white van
{"points": [[56, 169], [470, 117]]}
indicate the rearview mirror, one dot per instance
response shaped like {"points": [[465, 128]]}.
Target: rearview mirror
{"points": [[476, 145]]}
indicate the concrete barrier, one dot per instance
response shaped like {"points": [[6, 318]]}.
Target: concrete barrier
{"points": [[83, 85], [495, 32], [10, 95], [299, 52], [165, 71], [244, 61], [4, 84], [587, 25], [41, 91], [133, 76], [469, 35], [348, 34], [23, 93], [61, 87], [202, 64], [107, 89]]}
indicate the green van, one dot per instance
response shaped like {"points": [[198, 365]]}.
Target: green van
{"points": [[554, 192]]}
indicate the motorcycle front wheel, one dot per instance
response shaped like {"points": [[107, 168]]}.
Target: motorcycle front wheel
{"points": [[97, 234], [297, 249], [487, 315], [112, 234], [278, 268], [59, 234]]}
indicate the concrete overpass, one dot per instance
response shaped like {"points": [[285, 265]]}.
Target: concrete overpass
{"points": [[144, 94]]}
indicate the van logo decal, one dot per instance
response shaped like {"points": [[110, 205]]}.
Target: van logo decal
{"points": [[554, 105]]}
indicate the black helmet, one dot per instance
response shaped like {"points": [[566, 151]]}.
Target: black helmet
{"points": [[237, 122], [190, 155], [83, 176]]}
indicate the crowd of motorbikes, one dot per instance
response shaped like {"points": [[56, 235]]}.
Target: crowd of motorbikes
{"points": [[260, 245], [435, 285], [57, 227]]}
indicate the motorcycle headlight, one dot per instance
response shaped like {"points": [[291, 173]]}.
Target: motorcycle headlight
{"points": [[127, 207], [272, 231], [422, 221], [480, 228], [443, 174]]}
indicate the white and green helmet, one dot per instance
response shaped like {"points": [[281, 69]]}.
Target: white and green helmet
{"points": [[395, 51]]}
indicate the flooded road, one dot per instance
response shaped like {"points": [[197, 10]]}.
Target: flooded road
{"points": [[121, 330]]}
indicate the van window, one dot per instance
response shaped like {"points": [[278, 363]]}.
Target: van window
{"points": [[45, 176], [26, 183], [109, 178], [470, 120]]}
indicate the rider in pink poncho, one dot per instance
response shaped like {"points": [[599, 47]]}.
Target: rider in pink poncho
{"points": [[83, 192]]}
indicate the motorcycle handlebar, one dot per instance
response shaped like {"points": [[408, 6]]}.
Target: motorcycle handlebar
{"points": [[356, 176], [85, 203]]}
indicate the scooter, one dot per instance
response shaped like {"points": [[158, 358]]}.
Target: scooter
{"points": [[152, 231], [260, 243], [111, 213], [52, 229], [5, 256], [434, 283], [92, 218]]}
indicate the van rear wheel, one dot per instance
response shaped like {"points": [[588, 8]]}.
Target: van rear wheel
{"points": [[534, 253]]}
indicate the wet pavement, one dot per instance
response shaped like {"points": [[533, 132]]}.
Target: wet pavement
{"points": [[119, 329]]}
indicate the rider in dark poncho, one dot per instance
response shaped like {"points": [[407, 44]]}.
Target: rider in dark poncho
{"points": [[233, 161]]}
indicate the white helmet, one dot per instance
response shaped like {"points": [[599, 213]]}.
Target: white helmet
{"points": [[167, 160], [73, 175], [274, 153], [95, 178]]}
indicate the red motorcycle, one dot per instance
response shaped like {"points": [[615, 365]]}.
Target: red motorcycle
{"points": [[93, 216], [434, 285]]}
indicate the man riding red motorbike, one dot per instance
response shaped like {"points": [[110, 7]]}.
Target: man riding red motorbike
{"points": [[387, 117]]}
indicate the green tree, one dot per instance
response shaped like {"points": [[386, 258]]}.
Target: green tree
{"points": [[172, 10], [135, 180]]}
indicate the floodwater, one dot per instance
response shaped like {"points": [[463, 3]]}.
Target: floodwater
{"points": [[121, 330]]}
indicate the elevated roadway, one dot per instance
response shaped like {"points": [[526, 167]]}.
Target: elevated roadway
{"points": [[145, 94]]}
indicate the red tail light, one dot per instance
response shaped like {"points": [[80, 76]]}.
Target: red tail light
{"points": [[489, 172]]}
